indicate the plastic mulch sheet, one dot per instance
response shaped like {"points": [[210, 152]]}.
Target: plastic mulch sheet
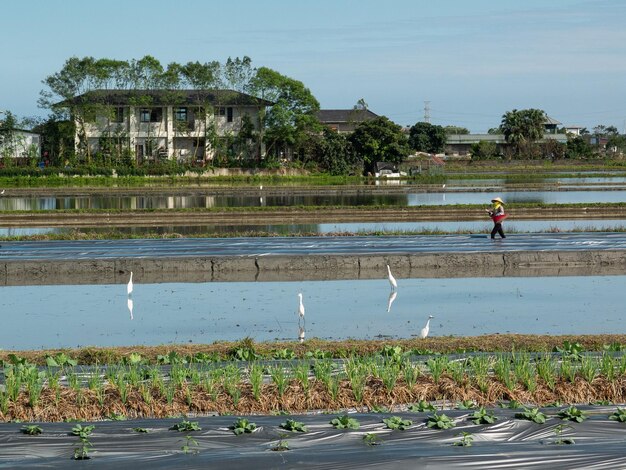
{"points": [[509, 443]]}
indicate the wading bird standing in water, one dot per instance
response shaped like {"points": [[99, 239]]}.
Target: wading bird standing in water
{"points": [[424, 331], [300, 309], [392, 280]]}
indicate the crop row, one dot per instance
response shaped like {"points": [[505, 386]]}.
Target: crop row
{"points": [[60, 392]]}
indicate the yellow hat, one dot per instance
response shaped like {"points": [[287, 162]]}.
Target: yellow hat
{"points": [[497, 199]]}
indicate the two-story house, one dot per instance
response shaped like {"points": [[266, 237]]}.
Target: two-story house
{"points": [[186, 125]]}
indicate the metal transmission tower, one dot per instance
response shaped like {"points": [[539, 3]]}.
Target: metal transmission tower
{"points": [[427, 111]]}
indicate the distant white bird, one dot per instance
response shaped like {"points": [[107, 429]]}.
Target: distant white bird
{"points": [[1, 192], [443, 187], [392, 297], [392, 280], [424, 331], [261, 187], [129, 287], [130, 306], [301, 306]]}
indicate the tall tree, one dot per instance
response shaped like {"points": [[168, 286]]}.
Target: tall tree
{"points": [[523, 128], [379, 140], [426, 137], [292, 116]]}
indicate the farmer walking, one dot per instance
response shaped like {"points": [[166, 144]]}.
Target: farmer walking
{"points": [[497, 215]]}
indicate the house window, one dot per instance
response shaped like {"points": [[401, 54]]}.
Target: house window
{"points": [[180, 114], [220, 111], [150, 115], [229, 115], [118, 114]]}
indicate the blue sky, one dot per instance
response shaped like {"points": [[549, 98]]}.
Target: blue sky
{"points": [[473, 60]]}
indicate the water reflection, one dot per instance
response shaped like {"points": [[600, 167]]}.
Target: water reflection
{"points": [[392, 297], [130, 305], [418, 198]]}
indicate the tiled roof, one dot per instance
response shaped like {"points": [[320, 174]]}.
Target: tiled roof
{"points": [[345, 115]]}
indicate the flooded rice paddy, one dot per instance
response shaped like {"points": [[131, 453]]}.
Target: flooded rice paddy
{"points": [[82, 315], [196, 201]]}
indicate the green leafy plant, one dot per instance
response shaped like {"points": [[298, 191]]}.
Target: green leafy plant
{"points": [[532, 415], [558, 432], [31, 429], [242, 426], [141, 430], [60, 360], [465, 441], [188, 446], [619, 415], [85, 445], [570, 350], [292, 425], [440, 421], [372, 439], [282, 445], [117, 417], [396, 422], [466, 405], [186, 426], [284, 354], [345, 422], [421, 406], [511, 405], [573, 414], [482, 416], [378, 409]]}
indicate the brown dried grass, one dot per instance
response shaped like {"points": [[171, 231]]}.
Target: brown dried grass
{"points": [[71, 406]]}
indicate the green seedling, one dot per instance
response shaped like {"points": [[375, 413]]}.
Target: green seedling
{"points": [[573, 414], [345, 422], [83, 433], [440, 421], [378, 409], [558, 431], [117, 417], [292, 425], [619, 415], [144, 430], [532, 415], [186, 426], [372, 439], [482, 416], [282, 445], [465, 441], [466, 405], [318, 354], [242, 426], [395, 422], [31, 429], [512, 405], [421, 406], [132, 358], [392, 353], [187, 446], [284, 354]]}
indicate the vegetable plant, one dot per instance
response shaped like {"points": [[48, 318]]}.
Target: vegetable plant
{"points": [[465, 441], [282, 445], [396, 422], [570, 350], [85, 445], [421, 406], [141, 430], [345, 422], [619, 415], [532, 415], [558, 432], [292, 425], [186, 426], [31, 429], [187, 446], [242, 426], [466, 405], [440, 421], [372, 439], [573, 414], [482, 416]]}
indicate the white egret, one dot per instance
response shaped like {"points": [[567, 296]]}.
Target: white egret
{"points": [[443, 187], [301, 306], [424, 331], [392, 297], [129, 287], [392, 280], [1, 192]]}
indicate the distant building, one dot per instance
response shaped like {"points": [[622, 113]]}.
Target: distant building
{"points": [[574, 130], [344, 121], [21, 145], [461, 144], [551, 125], [162, 124]]}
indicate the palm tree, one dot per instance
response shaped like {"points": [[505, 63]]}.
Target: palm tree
{"points": [[523, 126]]}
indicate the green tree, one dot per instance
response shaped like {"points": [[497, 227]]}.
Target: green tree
{"points": [[483, 150], [523, 128], [426, 137], [288, 122], [379, 140], [335, 154], [578, 147], [456, 130]]}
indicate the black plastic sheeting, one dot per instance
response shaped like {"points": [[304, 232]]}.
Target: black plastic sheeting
{"points": [[508, 444]]}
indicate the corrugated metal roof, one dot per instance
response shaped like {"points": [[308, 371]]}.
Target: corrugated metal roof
{"points": [[344, 115]]}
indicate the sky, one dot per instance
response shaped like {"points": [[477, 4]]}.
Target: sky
{"points": [[462, 62]]}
